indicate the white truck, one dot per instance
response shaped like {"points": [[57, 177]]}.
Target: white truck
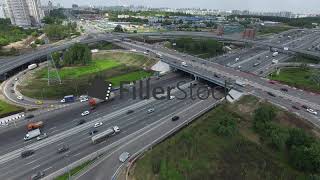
{"points": [[32, 134], [104, 135], [275, 54], [32, 66], [275, 61], [241, 83], [184, 64]]}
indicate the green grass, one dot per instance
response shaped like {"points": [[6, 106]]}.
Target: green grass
{"points": [[74, 171], [129, 77], [297, 77], [76, 72], [75, 80], [273, 30], [197, 152], [300, 59], [8, 109]]}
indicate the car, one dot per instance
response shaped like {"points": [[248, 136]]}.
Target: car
{"points": [[16, 79], [272, 82], [175, 118], [305, 107], [82, 121], [63, 149], [295, 107], [63, 101], [29, 116], [256, 64], [42, 136], [239, 67], [97, 124], [312, 111], [151, 110], [116, 129], [84, 99], [92, 132], [38, 102], [20, 97], [271, 94], [216, 75], [12, 91], [11, 85], [284, 89], [27, 153], [37, 175], [261, 72], [124, 156], [93, 107], [130, 111], [172, 97], [85, 113]]}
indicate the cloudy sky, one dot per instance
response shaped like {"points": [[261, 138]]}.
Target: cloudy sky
{"points": [[304, 6]]}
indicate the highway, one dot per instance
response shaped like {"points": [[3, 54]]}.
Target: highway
{"points": [[77, 138]]}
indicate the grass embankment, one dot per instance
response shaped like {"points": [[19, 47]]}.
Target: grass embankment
{"points": [[202, 48], [299, 59], [273, 29], [113, 66], [8, 109], [301, 78], [198, 152], [73, 171]]}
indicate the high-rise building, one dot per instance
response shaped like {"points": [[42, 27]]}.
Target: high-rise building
{"points": [[2, 15], [19, 12], [25, 13], [36, 12]]}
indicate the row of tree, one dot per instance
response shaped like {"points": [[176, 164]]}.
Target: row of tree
{"points": [[78, 54], [59, 31], [304, 149]]}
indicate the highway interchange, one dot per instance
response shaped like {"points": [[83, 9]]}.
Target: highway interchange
{"points": [[61, 125]]}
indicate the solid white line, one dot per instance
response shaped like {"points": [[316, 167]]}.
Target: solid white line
{"points": [[35, 167], [77, 154], [31, 162], [47, 168]]}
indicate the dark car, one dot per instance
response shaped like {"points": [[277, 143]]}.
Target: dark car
{"points": [[27, 153], [82, 121], [295, 107], [12, 85], [271, 94], [216, 75], [38, 175], [130, 111], [93, 131], [175, 118], [29, 116], [284, 89], [63, 149], [12, 91], [305, 107]]}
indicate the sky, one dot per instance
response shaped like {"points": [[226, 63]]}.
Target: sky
{"points": [[300, 6]]}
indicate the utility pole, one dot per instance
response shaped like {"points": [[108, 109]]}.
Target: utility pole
{"points": [[51, 65]]}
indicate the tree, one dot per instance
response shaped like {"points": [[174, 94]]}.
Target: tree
{"points": [[225, 125], [3, 42], [118, 28], [315, 77], [77, 54], [297, 137], [262, 115]]}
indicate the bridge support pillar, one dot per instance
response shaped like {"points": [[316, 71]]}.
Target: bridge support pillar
{"points": [[196, 78]]}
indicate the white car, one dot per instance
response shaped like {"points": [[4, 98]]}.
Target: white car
{"points": [[312, 111], [172, 97], [85, 113], [20, 97], [16, 79], [98, 124], [84, 99], [63, 101], [116, 129], [124, 156], [151, 110]]}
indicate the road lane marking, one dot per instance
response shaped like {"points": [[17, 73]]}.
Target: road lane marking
{"points": [[35, 167], [47, 168], [31, 162]]}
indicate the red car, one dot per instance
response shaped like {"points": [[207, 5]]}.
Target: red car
{"points": [[272, 82]]}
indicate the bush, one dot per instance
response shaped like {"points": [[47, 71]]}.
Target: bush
{"points": [[225, 125]]}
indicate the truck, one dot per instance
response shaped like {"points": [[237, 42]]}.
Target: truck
{"points": [[94, 101], [275, 61], [32, 134], [104, 135], [32, 66], [275, 54], [286, 48], [34, 125], [69, 98], [240, 83]]}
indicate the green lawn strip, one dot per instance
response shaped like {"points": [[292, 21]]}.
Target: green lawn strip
{"points": [[297, 77], [197, 151], [74, 171], [129, 77], [75, 80], [300, 59], [8, 109], [273, 30]]}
